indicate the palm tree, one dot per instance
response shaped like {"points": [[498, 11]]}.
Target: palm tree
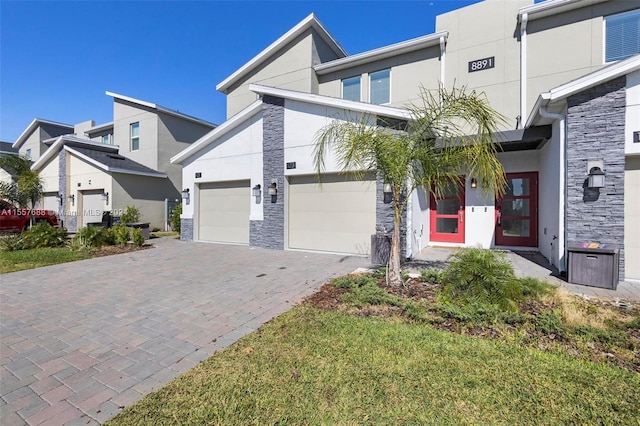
{"points": [[26, 188], [431, 151]]}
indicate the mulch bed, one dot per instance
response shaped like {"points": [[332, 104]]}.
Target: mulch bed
{"points": [[111, 250]]}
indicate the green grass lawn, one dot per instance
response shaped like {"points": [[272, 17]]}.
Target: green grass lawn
{"points": [[311, 366], [11, 261]]}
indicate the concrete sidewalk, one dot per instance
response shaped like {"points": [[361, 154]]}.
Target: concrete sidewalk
{"points": [[533, 264], [82, 340]]}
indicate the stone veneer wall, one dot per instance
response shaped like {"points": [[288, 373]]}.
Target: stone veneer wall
{"points": [[62, 186], [384, 218], [595, 131], [186, 229], [269, 232]]}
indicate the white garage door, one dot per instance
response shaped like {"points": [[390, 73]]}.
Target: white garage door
{"points": [[632, 218], [339, 216], [50, 201], [92, 207], [223, 213]]}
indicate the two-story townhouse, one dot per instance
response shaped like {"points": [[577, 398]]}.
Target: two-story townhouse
{"points": [[562, 72], [88, 169]]}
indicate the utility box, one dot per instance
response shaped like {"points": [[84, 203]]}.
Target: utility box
{"points": [[596, 265], [380, 249]]}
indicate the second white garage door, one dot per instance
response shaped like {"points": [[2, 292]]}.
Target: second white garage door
{"points": [[339, 216], [223, 212]]}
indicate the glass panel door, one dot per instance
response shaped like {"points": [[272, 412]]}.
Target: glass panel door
{"points": [[517, 211], [447, 215]]}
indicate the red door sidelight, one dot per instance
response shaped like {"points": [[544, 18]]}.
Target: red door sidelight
{"points": [[447, 215], [517, 211]]}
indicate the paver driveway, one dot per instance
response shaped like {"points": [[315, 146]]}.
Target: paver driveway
{"points": [[82, 340]]}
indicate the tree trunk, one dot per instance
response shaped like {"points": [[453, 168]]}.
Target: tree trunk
{"points": [[395, 277]]}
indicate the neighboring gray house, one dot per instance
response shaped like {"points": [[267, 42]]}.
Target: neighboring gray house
{"points": [[6, 149], [565, 73], [89, 168]]}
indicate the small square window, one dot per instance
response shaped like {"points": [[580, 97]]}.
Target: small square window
{"points": [[379, 87], [135, 136], [106, 138], [351, 88], [28, 154], [622, 35]]}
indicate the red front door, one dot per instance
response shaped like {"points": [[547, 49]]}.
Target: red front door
{"points": [[447, 215], [517, 211]]}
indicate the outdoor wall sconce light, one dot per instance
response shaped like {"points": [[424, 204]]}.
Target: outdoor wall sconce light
{"points": [[105, 197], [474, 183], [185, 195], [72, 199], [273, 191], [596, 178], [387, 193], [257, 191]]}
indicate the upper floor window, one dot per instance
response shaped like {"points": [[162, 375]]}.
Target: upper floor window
{"points": [[622, 35], [107, 138], [379, 87], [135, 136], [28, 154], [351, 88]]}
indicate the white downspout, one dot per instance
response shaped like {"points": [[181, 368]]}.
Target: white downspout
{"points": [[562, 261], [524, 18], [443, 52]]}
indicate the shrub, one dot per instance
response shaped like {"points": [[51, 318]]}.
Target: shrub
{"points": [[43, 235], [175, 218], [433, 276], [352, 282], [131, 215], [11, 243], [549, 322], [155, 229], [93, 236], [119, 234], [137, 237], [481, 275], [533, 288]]}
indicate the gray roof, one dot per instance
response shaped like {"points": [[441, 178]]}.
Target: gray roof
{"points": [[117, 163], [6, 147]]}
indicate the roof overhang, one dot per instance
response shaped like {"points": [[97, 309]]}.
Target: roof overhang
{"points": [[62, 141], [380, 110], [310, 21], [32, 126], [109, 169], [158, 108], [513, 140], [556, 97], [553, 7], [217, 133], [381, 53]]}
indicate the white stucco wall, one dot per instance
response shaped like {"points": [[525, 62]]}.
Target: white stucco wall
{"points": [[632, 113], [235, 156], [83, 176], [49, 175]]}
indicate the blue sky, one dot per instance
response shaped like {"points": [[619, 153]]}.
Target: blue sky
{"points": [[57, 59]]}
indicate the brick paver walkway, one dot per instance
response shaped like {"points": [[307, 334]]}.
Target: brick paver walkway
{"points": [[82, 340]]}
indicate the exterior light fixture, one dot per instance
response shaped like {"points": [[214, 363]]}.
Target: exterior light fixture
{"points": [[387, 193], [474, 183], [105, 197], [257, 191], [185, 194], [596, 178], [72, 199], [273, 191]]}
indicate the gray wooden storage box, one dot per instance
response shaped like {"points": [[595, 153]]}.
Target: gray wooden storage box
{"points": [[596, 267]]}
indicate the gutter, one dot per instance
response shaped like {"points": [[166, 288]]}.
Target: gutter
{"points": [[562, 196], [443, 52], [524, 18]]}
